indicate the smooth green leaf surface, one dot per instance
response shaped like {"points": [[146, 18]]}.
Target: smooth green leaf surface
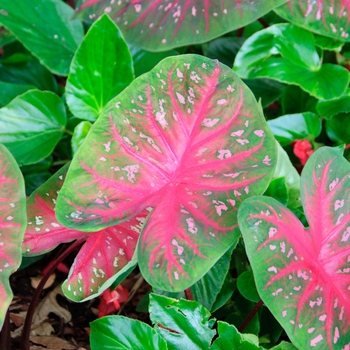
{"points": [[31, 125], [278, 190], [289, 128], [285, 169], [278, 53], [10, 91], [45, 28], [338, 128], [295, 100], [246, 286], [100, 70], [183, 324], [79, 135], [122, 333], [328, 109], [230, 338], [284, 346], [12, 224], [27, 71], [325, 17]]}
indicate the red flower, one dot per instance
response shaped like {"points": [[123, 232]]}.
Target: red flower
{"points": [[111, 300], [303, 150]]}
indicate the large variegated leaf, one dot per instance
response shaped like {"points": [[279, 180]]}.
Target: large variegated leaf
{"points": [[186, 139], [326, 17], [303, 275], [12, 224], [159, 25], [104, 254]]}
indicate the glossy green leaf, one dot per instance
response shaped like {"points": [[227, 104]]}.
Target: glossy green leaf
{"points": [[45, 28], [144, 60], [278, 190], [230, 338], [338, 128], [12, 224], [79, 135], [156, 25], [285, 169], [31, 125], [27, 71], [327, 109], [326, 43], [284, 346], [295, 100], [325, 17], [183, 324], [122, 333], [10, 91], [246, 286], [289, 128], [278, 53], [100, 70], [225, 294]]}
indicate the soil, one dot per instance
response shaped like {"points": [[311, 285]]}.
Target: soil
{"points": [[60, 324]]}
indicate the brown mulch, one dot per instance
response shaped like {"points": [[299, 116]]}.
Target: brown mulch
{"points": [[60, 324]]}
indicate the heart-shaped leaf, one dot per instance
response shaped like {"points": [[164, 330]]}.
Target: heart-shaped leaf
{"points": [[12, 224], [94, 82], [277, 52], [104, 254], [188, 140], [158, 25], [326, 17], [302, 275], [44, 116], [45, 28]]}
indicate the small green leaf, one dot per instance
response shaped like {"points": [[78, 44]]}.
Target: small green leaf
{"points": [[230, 338], [122, 333], [327, 109], [45, 28], [326, 43], [278, 53], [291, 127], [284, 346], [338, 128], [44, 117], [183, 324], [80, 132], [10, 91], [278, 190], [295, 100], [246, 286], [100, 70], [226, 291]]}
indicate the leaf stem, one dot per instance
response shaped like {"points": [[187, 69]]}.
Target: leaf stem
{"points": [[36, 295], [68, 132], [61, 162], [252, 313], [188, 293]]}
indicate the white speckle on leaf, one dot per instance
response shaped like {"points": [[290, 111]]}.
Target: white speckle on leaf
{"points": [[272, 247], [191, 226], [259, 133], [224, 154], [272, 269], [316, 340], [231, 175], [338, 204], [180, 249], [137, 8], [39, 220], [237, 133], [220, 207], [221, 102], [272, 231], [55, 224], [180, 98], [209, 122], [176, 275], [9, 218], [333, 184]]}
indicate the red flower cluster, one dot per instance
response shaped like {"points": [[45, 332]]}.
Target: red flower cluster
{"points": [[303, 150], [111, 300]]}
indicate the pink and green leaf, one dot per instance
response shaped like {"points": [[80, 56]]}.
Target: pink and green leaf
{"points": [[304, 274], [186, 139], [104, 254], [12, 224], [326, 17], [159, 25]]}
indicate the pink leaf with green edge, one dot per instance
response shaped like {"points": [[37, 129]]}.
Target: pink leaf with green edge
{"points": [[104, 254], [303, 275], [326, 17], [159, 25], [186, 139], [12, 224]]}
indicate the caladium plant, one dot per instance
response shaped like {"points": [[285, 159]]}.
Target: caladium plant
{"points": [[186, 139], [302, 274], [105, 255], [12, 224], [160, 25]]}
